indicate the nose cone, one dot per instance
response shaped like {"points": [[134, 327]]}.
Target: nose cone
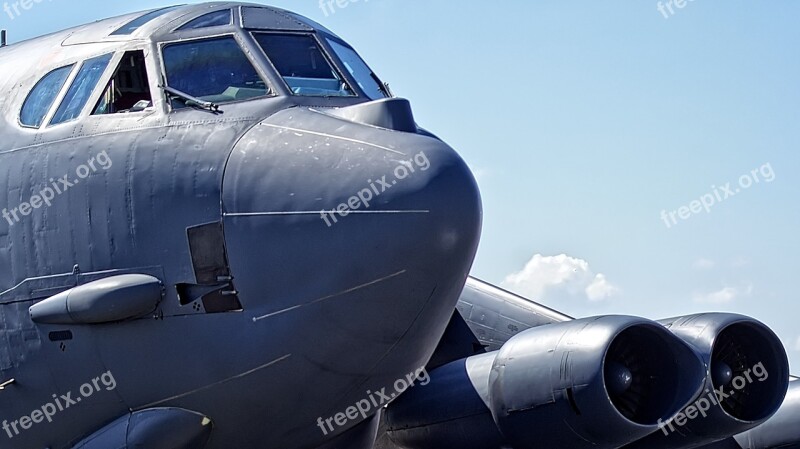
{"points": [[352, 241]]}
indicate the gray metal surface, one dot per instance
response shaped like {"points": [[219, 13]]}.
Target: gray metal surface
{"points": [[495, 315], [263, 303], [551, 386], [779, 432], [214, 284], [452, 413]]}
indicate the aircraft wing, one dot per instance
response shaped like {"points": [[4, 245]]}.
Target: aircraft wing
{"points": [[495, 315], [485, 318]]}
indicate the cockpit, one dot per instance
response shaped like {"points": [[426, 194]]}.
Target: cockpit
{"points": [[201, 58]]}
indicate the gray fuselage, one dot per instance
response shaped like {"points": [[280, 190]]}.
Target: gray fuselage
{"points": [[270, 318]]}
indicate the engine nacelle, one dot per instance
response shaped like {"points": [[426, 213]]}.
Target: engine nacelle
{"points": [[590, 383], [747, 376], [780, 431]]}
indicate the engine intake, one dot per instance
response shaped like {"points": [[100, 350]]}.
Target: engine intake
{"points": [[590, 383], [747, 376]]}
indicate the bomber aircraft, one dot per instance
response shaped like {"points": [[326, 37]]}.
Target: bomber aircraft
{"points": [[222, 230]]}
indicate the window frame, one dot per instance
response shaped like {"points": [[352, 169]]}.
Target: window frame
{"points": [[378, 80], [91, 95], [56, 100], [110, 71], [326, 53], [145, 19], [181, 29], [244, 46]]}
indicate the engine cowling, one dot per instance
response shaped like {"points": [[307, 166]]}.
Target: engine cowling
{"points": [[590, 383], [780, 431], [747, 376]]}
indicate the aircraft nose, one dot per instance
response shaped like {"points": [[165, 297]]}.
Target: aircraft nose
{"points": [[367, 233]]}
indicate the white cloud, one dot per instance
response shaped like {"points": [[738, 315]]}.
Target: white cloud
{"points": [[797, 345], [553, 276], [703, 264], [600, 288], [724, 296]]}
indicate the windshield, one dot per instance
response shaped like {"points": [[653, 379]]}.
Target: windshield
{"points": [[302, 64], [366, 78], [214, 70]]}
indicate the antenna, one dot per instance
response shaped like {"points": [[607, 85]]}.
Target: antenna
{"points": [[3, 36]]}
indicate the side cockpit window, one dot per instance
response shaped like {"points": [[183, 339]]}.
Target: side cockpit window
{"points": [[212, 19], [302, 64], [128, 90], [81, 89], [42, 97], [364, 76], [214, 70]]}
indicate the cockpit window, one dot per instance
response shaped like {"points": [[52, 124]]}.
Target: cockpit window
{"points": [[82, 87], [365, 77], [303, 65], [42, 97], [214, 70], [212, 19], [128, 90], [135, 24]]}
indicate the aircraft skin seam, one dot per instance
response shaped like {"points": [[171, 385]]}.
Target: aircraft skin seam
{"points": [[131, 129], [317, 212], [325, 298], [332, 136], [206, 387]]}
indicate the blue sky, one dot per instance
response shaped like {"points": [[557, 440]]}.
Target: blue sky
{"points": [[583, 122]]}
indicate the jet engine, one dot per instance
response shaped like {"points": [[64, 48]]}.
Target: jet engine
{"points": [[747, 376], [591, 383]]}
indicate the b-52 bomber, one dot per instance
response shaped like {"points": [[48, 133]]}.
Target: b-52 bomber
{"points": [[220, 230]]}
